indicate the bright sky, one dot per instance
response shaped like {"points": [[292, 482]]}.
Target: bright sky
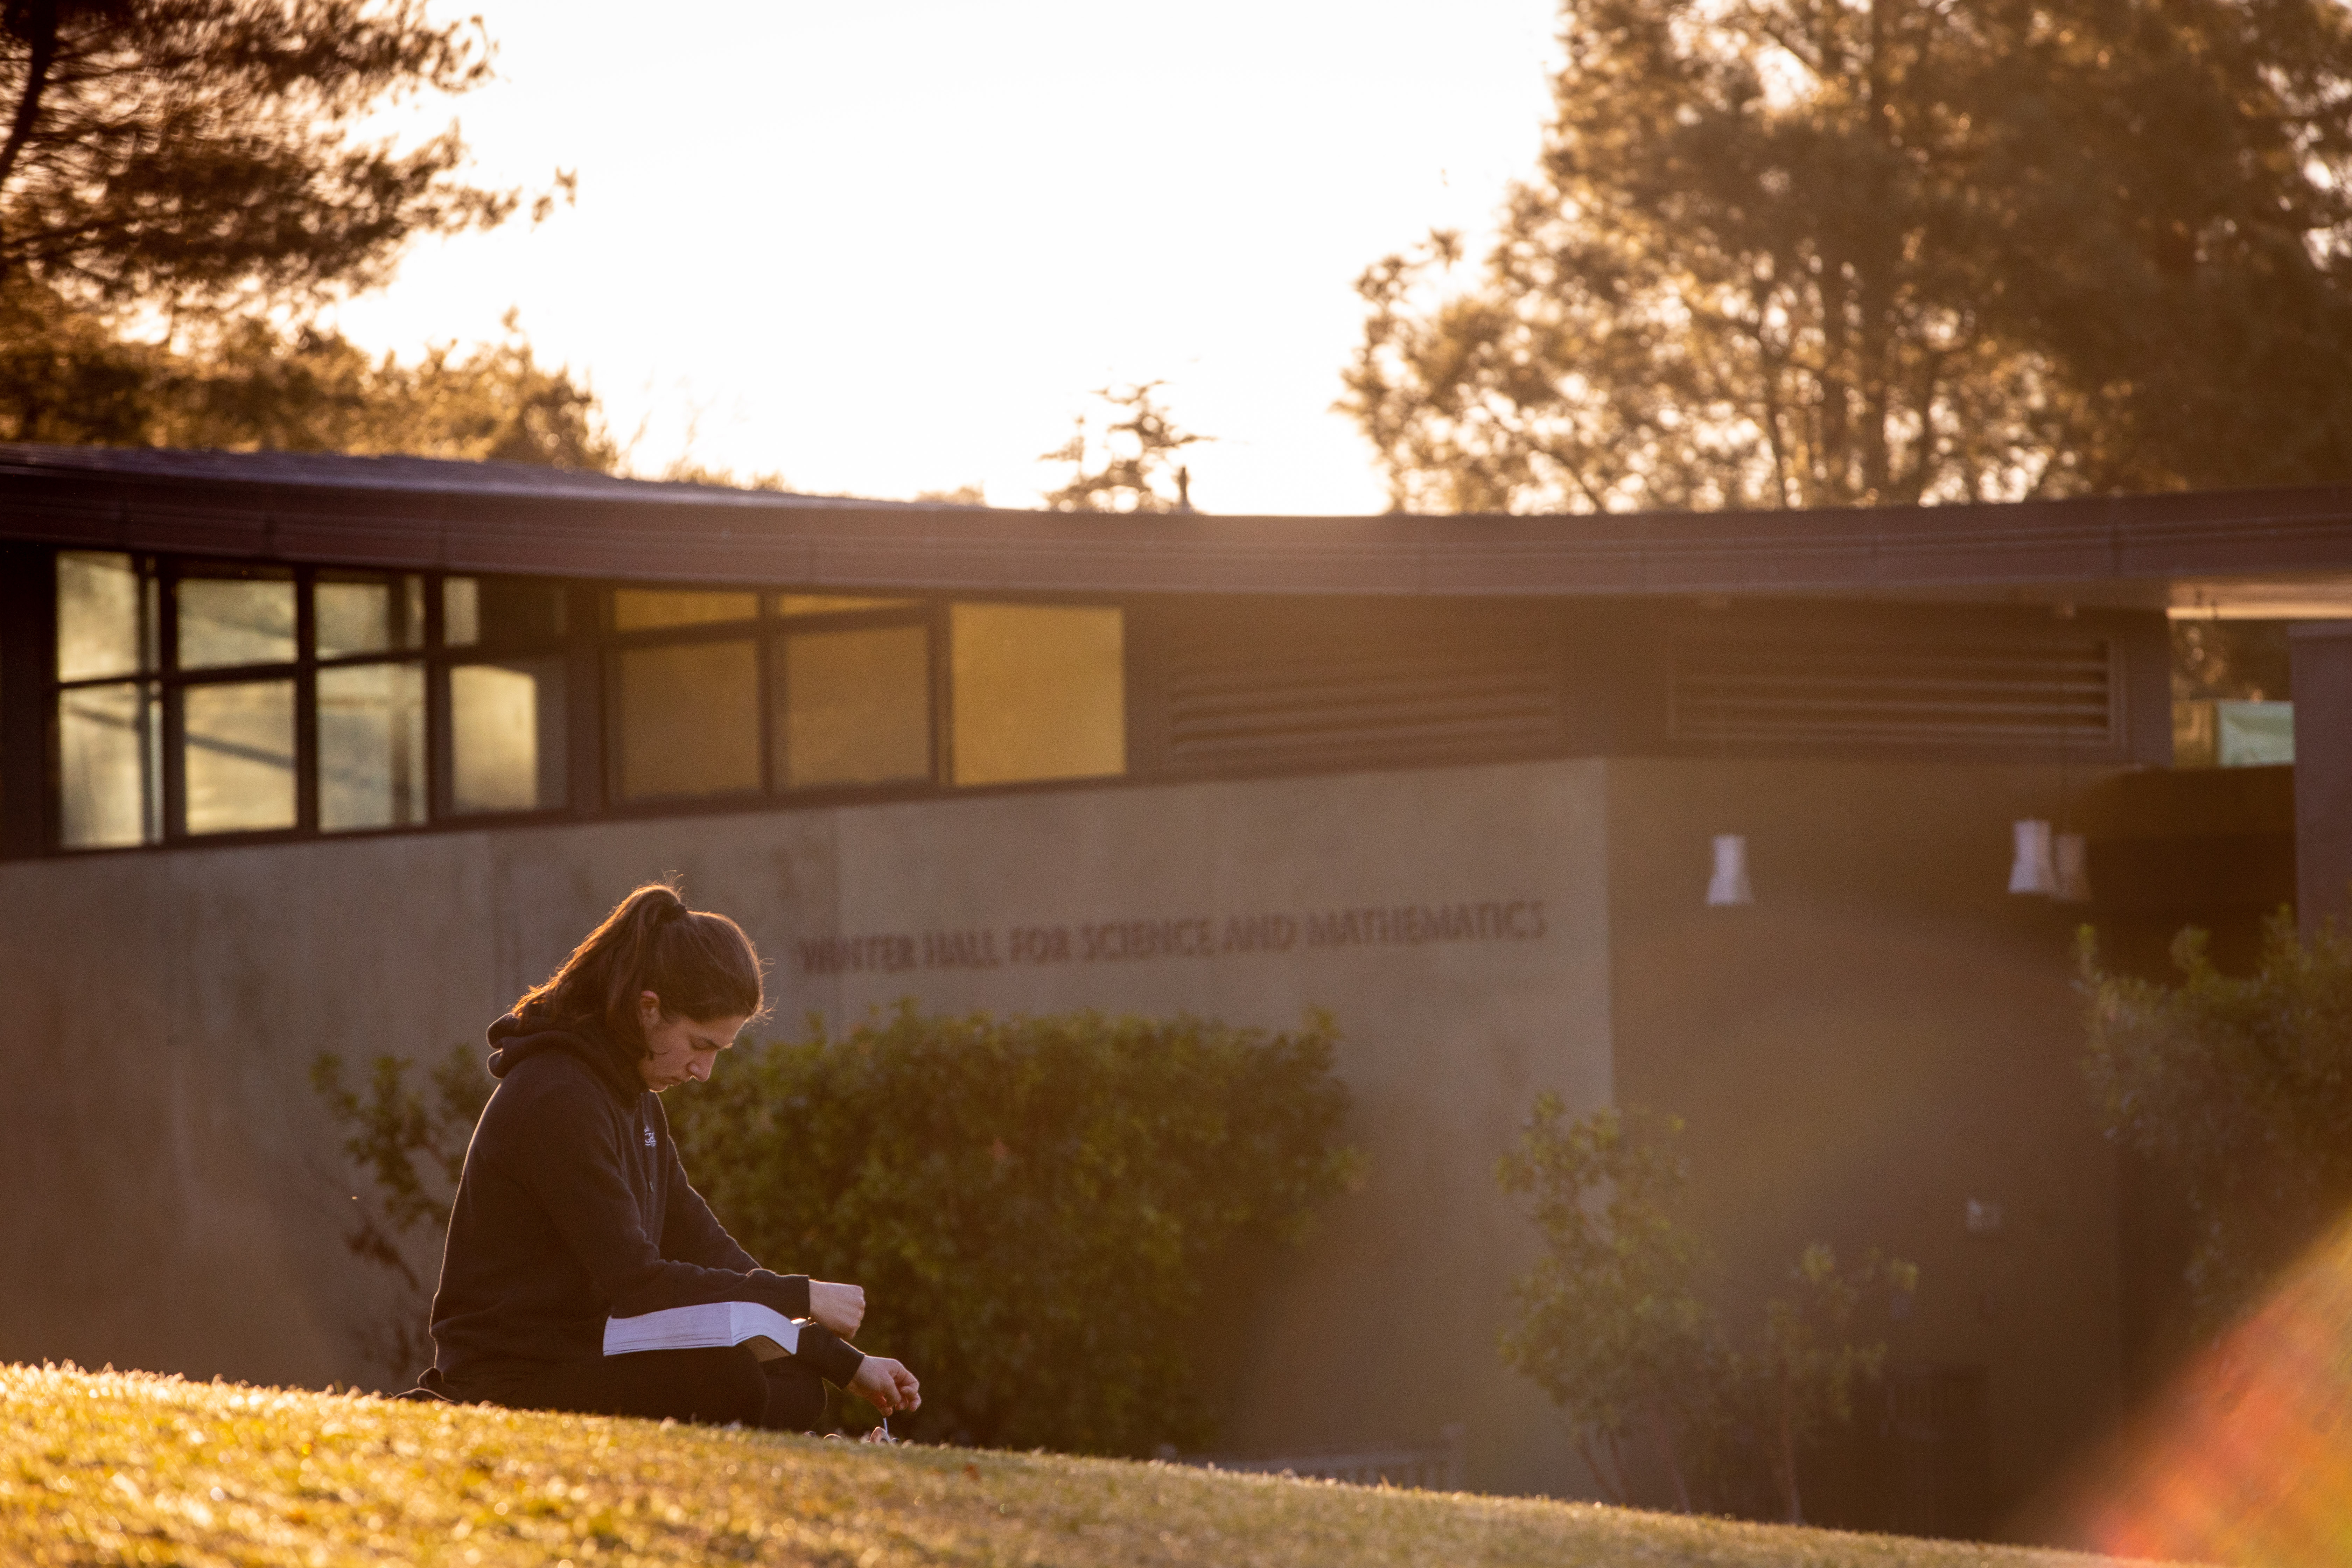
{"points": [[889, 247]]}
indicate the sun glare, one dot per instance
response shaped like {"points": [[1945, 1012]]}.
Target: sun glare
{"points": [[2250, 1458], [890, 249]]}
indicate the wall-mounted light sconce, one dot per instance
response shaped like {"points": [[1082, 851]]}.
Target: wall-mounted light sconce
{"points": [[2031, 871], [1728, 886]]}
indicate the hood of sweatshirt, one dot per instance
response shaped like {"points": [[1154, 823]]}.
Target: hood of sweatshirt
{"points": [[519, 1036]]}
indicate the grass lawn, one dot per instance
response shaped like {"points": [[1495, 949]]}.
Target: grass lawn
{"points": [[101, 1468]]}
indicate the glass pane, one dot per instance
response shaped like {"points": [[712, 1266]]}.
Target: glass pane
{"points": [[370, 746], [380, 617], [2254, 734], [856, 707], [98, 617], [461, 611], [506, 736], [108, 742], [689, 720], [233, 620], [500, 611], [641, 609], [835, 603], [237, 755], [1040, 692]]}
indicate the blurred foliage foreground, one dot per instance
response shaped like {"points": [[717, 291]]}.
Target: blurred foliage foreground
{"points": [[2241, 1089], [1030, 1203], [134, 1468]]}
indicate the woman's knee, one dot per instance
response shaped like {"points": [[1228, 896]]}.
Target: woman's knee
{"points": [[740, 1394], [795, 1397]]}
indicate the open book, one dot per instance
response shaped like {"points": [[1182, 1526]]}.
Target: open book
{"points": [[710, 1324]]}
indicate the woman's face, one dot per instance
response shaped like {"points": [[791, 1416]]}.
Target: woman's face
{"points": [[681, 1049]]}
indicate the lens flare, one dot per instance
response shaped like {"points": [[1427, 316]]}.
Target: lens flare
{"points": [[2250, 1462]]}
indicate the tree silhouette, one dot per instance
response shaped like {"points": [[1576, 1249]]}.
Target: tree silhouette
{"points": [[1780, 253], [1126, 463]]}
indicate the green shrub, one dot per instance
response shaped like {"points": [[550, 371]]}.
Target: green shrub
{"points": [[2241, 1089], [411, 1145], [1615, 1325], [1030, 1203]]}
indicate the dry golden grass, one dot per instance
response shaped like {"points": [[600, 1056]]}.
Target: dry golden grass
{"points": [[106, 1468]]}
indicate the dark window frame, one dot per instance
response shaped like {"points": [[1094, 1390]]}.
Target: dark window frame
{"points": [[160, 573], [768, 631], [587, 647], [489, 646]]}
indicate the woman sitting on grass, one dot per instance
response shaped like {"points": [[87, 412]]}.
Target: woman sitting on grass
{"points": [[573, 1206]]}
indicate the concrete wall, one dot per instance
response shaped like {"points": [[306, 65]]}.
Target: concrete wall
{"points": [[178, 1198], [1883, 1035]]}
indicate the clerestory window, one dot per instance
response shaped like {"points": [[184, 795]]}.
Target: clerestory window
{"points": [[196, 699], [203, 700]]}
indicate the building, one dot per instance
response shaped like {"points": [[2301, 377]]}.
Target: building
{"points": [[306, 752]]}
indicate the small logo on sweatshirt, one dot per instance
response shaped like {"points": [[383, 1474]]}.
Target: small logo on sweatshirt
{"points": [[649, 1138]]}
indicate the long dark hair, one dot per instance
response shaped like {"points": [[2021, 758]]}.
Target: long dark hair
{"points": [[701, 964]]}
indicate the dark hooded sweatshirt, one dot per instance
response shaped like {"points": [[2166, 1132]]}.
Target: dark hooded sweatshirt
{"points": [[573, 1208]]}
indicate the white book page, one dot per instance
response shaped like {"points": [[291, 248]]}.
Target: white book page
{"points": [[705, 1325], [751, 1318]]}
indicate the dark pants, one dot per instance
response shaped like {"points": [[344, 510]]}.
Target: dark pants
{"points": [[712, 1386]]}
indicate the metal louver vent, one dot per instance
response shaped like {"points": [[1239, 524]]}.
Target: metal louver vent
{"points": [[1345, 695], [2043, 694]]}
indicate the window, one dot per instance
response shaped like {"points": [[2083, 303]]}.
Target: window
{"points": [[227, 620], [106, 617], [643, 609], [506, 736], [234, 736], [853, 706], [110, 739], [370, 746], [198, 699], [461, 610], [369, 703], [717, 693], [237, 755], [836, 603], [689, 719], [211, 701], [1040, 692], [500, 612], [109, 730], [362, 616]]}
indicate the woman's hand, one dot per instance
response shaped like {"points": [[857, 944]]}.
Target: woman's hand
{"points": [[887, 1385], [840, 1308]]}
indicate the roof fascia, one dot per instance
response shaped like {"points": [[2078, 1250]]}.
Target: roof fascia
{"points": [[2110, 540]]}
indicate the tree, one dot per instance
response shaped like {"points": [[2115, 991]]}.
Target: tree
{"points": [[182, 183], [2242, 1089], [1614, 1326], [1781, 253], [244, 383], [203, 154], [1798, 1382], [1133, 458], [1610, 1324], [2246, 660], [309, 390]]}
